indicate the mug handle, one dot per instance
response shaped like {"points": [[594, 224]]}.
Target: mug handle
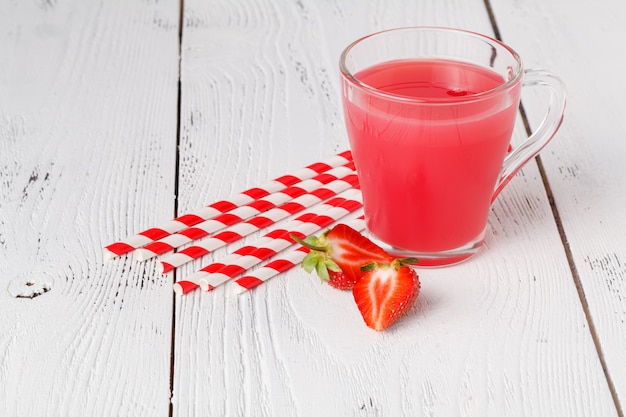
{"points": [[551, 122]]}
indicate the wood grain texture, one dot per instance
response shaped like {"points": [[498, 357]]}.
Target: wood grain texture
{"points": [[88, 147], [585, 164], [503, 334], [88, 96]]}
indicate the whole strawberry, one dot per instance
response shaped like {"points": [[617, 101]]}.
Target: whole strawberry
{"points": [[386, 292], [338, 255]]}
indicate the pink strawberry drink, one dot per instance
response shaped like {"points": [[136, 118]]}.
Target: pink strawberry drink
{"points": [[429, 152], [429, 114]]}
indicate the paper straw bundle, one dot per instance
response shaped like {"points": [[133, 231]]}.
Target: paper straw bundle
{"points": [[315, 197], [257, 223], [336, 179], [150, 235]]}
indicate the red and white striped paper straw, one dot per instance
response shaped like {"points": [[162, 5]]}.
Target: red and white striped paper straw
{"points": [[257, 223], [187, 220], [282, 264], [274, 241], [346, 173], [192, 281]]}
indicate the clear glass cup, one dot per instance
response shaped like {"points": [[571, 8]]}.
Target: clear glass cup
{"points": [[430, 114]]}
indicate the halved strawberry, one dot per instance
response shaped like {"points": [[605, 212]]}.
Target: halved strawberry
{"points": [[386, 292], [338, 255]]}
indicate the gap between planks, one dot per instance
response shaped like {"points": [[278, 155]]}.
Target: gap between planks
{"points": [[181, 16]]}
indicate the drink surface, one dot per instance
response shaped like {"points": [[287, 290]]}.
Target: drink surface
{"points": [[430, 79], [429, 156]]}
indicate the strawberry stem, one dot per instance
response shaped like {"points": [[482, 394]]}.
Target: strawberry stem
{"points": [[306, 244]]}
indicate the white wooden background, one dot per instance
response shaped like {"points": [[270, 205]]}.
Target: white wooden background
{"points": [[118, 115]]}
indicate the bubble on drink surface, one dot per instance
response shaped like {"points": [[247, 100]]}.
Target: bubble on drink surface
{"points": [[457, 92]]}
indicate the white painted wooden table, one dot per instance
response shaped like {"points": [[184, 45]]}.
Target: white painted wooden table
{"points": [[118, 115]]}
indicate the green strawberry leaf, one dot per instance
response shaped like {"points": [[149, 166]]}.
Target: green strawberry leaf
{"points": [[409, 261], [332, 265], [310, 261], [322, 271], [369, 267]]}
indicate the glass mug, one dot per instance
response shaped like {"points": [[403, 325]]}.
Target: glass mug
{"points": [[430, 114]]}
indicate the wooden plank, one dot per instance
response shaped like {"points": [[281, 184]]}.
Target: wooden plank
{"points": [[585, 164], [260, 97], [88, 94]]}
